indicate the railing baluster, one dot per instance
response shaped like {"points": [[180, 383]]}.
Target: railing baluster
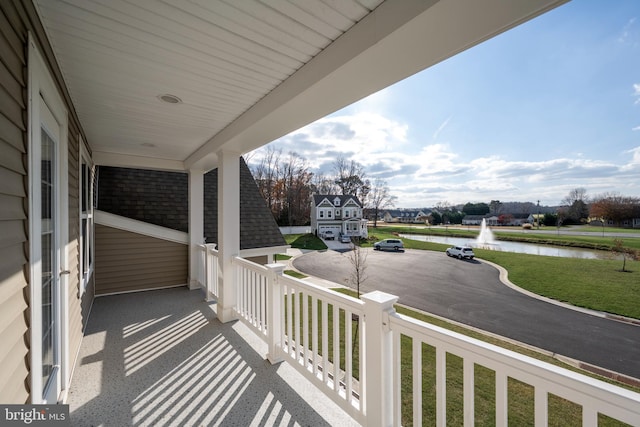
{"points": [[336, 348], [262, 304], [314, 334], [290, 320], [589, 417], [416, 355], [502, 404], [468, 391], [397, 383], [282, 299], [541, 400], [325, 342], [441, 387], [305, 329], [297, 324], [348, 354], [240, 286]]}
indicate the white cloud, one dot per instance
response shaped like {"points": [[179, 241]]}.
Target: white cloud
{"points": [[636, 92], [441, 128], [422, 177], [635, 156], [626, 31]]}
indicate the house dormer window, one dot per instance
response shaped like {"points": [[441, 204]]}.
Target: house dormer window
{"points": [[328, 214], [336, 201]]}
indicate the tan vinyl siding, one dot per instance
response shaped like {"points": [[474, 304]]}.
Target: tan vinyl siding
{"points": [[14, 309], [16, 20], [127, 261], [78, 307]]}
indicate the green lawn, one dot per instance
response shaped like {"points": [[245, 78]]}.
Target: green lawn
{"points": [[295, 274], [305, 241], [590, 283], [592, 241]]}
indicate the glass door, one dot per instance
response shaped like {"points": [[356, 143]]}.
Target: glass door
{"points": [[50, 268]]}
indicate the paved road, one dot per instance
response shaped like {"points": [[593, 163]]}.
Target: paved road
{"points": [[470, 292]]}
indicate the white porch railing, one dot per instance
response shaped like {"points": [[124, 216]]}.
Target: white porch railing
{"points": [[361, 352], [312, 328], [209, 270]]}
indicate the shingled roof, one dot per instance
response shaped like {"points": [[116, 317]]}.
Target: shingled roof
{"points": [[318, 198], [161, 198]]}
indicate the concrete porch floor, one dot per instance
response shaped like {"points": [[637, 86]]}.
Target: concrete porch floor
{"points": [[161, 358]]}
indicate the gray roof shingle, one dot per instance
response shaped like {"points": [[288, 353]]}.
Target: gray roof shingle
{"points": [[318, 198]]}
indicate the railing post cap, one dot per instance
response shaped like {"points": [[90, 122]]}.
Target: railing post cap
{"points": [[276, 267], [379, 297]]}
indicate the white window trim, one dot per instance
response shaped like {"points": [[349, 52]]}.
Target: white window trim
{"points": [[85, 274], [42, 86]]}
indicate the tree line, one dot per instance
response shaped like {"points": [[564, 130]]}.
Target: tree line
{"points": [[576, 208], [611, 206], [287, 184]]}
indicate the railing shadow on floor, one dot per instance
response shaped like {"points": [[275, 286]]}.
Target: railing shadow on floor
{"points": [[162, 358]]}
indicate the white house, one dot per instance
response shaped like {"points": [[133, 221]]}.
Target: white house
{"points": [[340, 214], [416, 216]]}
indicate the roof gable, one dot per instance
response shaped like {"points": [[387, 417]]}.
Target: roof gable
{"points": [[344, 199]]}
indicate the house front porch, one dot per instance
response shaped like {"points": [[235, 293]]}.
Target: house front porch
{"points": [[162, 358]]}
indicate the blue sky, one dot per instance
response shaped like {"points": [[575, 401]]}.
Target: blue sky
{"points": [[547, 107]]}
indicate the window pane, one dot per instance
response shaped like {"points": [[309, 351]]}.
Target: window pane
{"points": [[47, 244]]}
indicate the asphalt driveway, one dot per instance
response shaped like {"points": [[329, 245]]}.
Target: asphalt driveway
{"points": [[470, 292]]}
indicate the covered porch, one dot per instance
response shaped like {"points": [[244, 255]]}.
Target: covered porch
{"points": [[162, 358], [190, 88]]}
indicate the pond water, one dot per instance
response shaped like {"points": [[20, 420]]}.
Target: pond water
{"points": [[518, 247]]}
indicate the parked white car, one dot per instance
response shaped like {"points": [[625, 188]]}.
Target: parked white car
{"points": [[390, 244], [461, 252], [328, 235]]}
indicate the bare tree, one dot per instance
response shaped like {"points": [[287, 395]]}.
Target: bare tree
{"points": [[351, 178], [618, 248], [295, 176], [379, 198], [358, 260], [577, 205], [321, 184], [266, 176], [577, 194]]}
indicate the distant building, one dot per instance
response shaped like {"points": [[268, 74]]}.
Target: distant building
{"points": [[337, 213], [411, 216]]}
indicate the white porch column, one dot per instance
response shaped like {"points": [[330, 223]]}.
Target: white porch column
{"points": [[274, 313], [378, 368], [228, 230], [196, 226]]}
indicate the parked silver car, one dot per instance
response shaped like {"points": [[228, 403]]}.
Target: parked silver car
{"points": [[345, 239], [389, 244]]}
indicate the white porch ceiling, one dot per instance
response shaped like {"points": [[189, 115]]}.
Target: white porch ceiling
{"points": [[247, 71]]}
